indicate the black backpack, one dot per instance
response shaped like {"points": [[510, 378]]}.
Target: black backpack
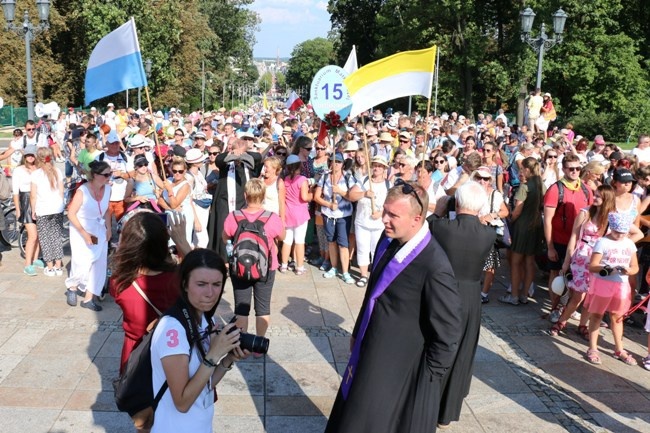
{"points": [[134, 388], [251, 255]]}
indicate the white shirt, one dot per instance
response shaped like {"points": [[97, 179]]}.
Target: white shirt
{"points": [[38, 140], [118, 185], [168, 339], [21, 180], [49, 201]]}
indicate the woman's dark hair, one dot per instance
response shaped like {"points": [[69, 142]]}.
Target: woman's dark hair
{"points": [[143, 244], [294, 169], [300, 142], [428, 165], [97, 167], [200, 258]]}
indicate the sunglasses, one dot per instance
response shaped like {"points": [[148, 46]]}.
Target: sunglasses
{"points": [[204, 129], [407, 188], [147, 148], [551, 156], [29, 129], [487, 151], [572, 168], [178, 171], [29, 154], [281, 154], [107, 175], [405, 141], [178, 135], [483, 178], [321, 148], [213, 153], [308, 148], [142, 165], [338, 162], [439, 161]]}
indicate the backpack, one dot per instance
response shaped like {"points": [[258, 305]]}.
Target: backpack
{"points": [[38, 135], [134, 388], [103, 154], [5, 186], [251, 255], [560, 199], [513, 170]]}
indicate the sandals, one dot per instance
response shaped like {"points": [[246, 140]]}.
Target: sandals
{"points": [[299, 271], [557, 328], [362, 282], [583, 331], [625, 357], [593, 357], [283, 268]]}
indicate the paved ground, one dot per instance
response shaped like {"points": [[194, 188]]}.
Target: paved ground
{"points": [[57, 363]]}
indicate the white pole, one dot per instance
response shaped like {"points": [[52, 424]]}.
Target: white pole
{"points": [[435, 104]]}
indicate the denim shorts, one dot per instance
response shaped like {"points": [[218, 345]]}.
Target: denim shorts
{"points": [[338, 229]]}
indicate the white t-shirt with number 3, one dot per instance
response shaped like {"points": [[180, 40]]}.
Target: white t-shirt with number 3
{"points": [[170, 338]]}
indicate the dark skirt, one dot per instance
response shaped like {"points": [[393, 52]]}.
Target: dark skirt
{"points": [[25, 209]]}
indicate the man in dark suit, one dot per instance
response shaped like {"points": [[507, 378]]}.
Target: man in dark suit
{"points": [[408, 329], [236, 167], [467, 244]]}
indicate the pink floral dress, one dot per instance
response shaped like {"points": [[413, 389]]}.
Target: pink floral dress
{"points": [[582, 256]]}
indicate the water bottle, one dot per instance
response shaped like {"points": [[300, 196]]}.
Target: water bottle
{"points": [[229, 248]]}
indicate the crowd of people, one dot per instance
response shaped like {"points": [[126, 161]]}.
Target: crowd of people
{"points": [[430, 204]]}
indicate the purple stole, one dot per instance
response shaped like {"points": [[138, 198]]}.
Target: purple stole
{"points": [[390, 272]]}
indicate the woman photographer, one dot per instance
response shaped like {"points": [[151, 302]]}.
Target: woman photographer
{"points": [[192, 370]]}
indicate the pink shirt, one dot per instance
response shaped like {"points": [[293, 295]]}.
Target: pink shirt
{"points": [[297, 211], [273, 228]]}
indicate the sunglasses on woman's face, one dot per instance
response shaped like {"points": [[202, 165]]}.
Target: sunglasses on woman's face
{"points": [[178, 171], [109, 174], [281, 153]]}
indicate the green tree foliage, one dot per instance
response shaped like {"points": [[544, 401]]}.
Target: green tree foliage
{"points": [[599, 71], [265, 82], [177, 35], [306, 59]]}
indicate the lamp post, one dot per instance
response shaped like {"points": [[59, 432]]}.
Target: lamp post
{"points": [[147, 71], [29, 31], [543, 42]]}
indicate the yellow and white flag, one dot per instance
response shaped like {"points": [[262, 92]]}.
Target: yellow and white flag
{"points": [[265, 102], [402, 74]]}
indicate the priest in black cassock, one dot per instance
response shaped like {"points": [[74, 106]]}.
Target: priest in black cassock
{"points": [[236, 167], [407, 332], [467, 243]]}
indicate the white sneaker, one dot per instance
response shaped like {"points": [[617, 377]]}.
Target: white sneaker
{"points": [[555, 315], [49, 272], [531, 290], [58, 272]]}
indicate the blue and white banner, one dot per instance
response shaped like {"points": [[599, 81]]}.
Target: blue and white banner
{"points": [[115, 64]]}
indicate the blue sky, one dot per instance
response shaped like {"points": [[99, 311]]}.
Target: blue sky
{"points": [[286, 23]]}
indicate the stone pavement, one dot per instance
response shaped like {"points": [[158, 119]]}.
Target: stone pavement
{"points": [[57, 364]]}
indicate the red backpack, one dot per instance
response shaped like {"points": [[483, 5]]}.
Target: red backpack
{"points": [[251, 255]]}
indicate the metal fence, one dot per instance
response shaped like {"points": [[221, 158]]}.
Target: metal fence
{"points": [[12, 116]]}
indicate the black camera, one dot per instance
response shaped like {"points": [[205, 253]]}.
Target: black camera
{"points": [[251, 342], [568, 276], [605, 271]]}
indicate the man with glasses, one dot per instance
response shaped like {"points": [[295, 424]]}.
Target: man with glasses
{"points": [[405, 143], [118, 163], [562, 203], [33, 137], [407, 332]]}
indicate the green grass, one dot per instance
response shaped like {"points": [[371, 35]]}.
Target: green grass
{"points": [[5, 134]]}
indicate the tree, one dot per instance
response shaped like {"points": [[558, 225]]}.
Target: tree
{"points": [[306, 59]]}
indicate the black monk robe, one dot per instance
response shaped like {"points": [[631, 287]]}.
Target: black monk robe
{"points": [[467, 243], [405, 346]]}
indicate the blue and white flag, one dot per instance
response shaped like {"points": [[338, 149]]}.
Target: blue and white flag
{"points": [[115, 64]]}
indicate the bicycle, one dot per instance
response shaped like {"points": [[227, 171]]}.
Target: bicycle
{"points": [[10, 235]]}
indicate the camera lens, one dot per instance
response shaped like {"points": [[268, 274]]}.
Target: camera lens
{"points": [[604, 271], [253, 343], [568, 276]]}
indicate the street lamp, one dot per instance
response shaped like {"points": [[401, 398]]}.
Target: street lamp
{"points": [[29, 31], [543, 42]]}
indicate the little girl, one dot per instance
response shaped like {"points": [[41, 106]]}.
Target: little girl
{"points": [[612, 262]]}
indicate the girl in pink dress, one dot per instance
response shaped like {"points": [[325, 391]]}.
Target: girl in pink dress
{"points": [[590, 224], [612, 262]]}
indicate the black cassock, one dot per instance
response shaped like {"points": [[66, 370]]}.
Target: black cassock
{"points": [[409, 343], [467, 243], [219, 207]]}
